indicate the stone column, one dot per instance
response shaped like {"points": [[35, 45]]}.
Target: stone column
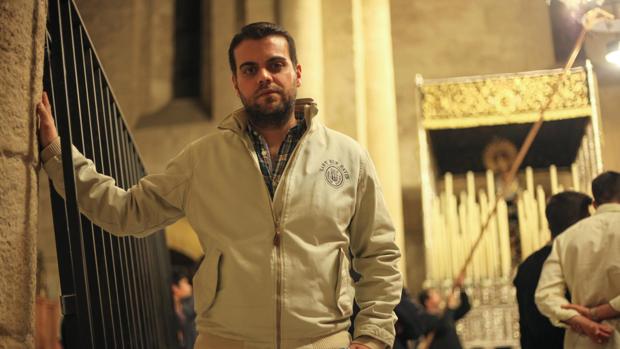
{"points": [[21, 54], [344, 107], [223, 23], [303, 19], [381, 120], [260, 11]]}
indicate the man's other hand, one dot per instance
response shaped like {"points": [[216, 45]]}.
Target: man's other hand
{"points": [[598, 333], [47, 128], [583, 311]]}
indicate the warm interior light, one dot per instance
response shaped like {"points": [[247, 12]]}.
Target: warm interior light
{"points": [[613, 52], [576, 4]]}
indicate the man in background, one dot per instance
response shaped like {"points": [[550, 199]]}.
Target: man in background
{"points": [[447, 312], [563, 210], [585, 260]]}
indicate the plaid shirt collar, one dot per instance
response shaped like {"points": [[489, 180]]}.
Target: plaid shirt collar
{"points": [[272, 170]]}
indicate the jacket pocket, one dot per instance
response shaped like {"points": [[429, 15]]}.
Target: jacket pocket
{"points": [[206, 281], [344, 298]]}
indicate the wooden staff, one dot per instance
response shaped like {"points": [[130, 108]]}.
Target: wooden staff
{"points": [[525, 147]]}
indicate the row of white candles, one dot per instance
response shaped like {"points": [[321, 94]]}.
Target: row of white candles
{"points": [[456, 224]]}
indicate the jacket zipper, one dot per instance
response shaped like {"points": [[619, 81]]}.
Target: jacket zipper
{"points": [[276, 243], [277, 232]]}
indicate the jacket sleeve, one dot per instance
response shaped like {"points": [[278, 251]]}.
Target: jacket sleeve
{"points": [[551, 290], [375, 258], [153, 203], [615, 303], [463, 308]]}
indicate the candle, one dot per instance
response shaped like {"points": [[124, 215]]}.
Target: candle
{"points": [[502, 212], [523, 233], [553, 175], [575, 176], [529, 179], [540, 232]]}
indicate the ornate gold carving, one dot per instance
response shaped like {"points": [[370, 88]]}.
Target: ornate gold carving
{"points": [[503, 99]]}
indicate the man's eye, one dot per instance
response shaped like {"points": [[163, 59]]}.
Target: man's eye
{"points": [[276, 66], [248, 70]]}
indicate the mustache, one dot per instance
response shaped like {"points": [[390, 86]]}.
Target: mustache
{"points": [[268, 89]]}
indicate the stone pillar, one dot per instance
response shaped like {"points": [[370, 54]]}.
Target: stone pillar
{"points": [[223, 27], [21, 54], [303, 19], [260, 11], [382, 131], [344, 106]]}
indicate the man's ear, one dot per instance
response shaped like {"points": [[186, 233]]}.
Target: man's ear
{"points": [[298, 75], [235, 84]]}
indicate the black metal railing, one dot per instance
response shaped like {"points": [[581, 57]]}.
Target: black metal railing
{"points": [[115, 290]]}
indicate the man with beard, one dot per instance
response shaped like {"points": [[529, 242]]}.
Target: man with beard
{"points": [[281, 204]]}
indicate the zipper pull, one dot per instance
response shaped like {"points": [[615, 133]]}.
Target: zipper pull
{"points": [[276, 239]]}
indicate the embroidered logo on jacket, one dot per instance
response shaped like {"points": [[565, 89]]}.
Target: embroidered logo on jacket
{"points": [[334, 173]]}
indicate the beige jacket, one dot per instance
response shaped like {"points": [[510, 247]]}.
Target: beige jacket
{"points": [[586, 260], [275, 271]]}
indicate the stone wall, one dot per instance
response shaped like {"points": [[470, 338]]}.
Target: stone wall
{"points": [[134, 41], [21, 54]]}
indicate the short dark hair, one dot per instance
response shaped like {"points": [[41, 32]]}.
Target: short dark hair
{"points": [[256, 31], [606, 187], [423, 296], [565, 209], [178, 273]]}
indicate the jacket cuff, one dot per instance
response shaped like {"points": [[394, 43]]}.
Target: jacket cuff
{"points": [[51, 150], [369, 342], [615, 303], [376, 333], [562, 316]]}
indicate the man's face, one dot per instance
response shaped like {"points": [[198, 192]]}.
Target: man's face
{"points": [[434, 300], [183, 289], [266, 80]]}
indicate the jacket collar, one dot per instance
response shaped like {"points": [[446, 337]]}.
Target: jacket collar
{"points": [[611, 207], [237, 121]]}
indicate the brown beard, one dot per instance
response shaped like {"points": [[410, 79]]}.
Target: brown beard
{"points": [[274, 119]]}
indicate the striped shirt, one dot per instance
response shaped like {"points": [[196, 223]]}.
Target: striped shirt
{"points": [[272, 171]]}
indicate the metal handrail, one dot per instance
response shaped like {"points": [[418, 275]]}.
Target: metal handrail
{"points": [[115, 290]]}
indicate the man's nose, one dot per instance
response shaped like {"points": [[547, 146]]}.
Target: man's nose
{"points": [[264, 77]]}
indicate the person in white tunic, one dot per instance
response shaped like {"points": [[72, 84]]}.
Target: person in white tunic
{"points": [[585, 260]]}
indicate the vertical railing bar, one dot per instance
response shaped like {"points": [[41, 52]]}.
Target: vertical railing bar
{"points": [[90, 259], [146, 301], [165, 291], [84, 330], [95, 140], [128, 241], [152, 314], [122, 241], [61, 221], [117, 272], [126, 182]]}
